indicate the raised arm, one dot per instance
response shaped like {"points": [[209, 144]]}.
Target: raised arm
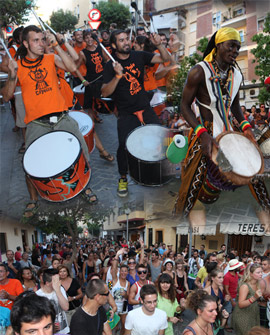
{"points": [[10, 85], [109, 88]]}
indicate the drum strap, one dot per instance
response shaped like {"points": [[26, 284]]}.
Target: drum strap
{"points": [[45, 120], [139, 115]]}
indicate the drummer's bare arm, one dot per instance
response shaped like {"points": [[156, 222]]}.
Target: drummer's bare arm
{"points": [[108, 89], [4, 64], [79, 75], [71, 51], [81, 60], [238, 114], [194, 82], [162, 70], [9, 88], [163, 55], [63, 60]]}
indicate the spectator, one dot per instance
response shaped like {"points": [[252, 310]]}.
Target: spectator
{"points": [[202, 273], [25, 263], [18, 254], [194, 263], [27, 279], [265, 266], [155, 265], [9, 288], [13, 265], [181, 280]]}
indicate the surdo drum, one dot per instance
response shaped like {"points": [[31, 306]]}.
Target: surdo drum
{"points": [[79, 93], [86, 126], [242, 161], [56, 166], [146, 151], [158, 102]]}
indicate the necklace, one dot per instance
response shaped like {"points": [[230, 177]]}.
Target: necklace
{"points": [[223, 73], [206, 332]]}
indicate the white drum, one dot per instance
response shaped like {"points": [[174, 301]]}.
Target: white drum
{"points": [[56, 166], [79, 93]]}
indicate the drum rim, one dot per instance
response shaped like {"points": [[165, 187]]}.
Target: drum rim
{"points": [[234, 173], [142, 160], [60, 173], [83, 112]]}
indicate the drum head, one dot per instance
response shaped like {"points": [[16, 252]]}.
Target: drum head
{"points": [[84, 121], [51, 154], [148, 143], [79, 89], [158, 98], [242, 154]]}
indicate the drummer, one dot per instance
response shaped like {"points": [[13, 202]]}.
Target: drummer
{"points": [[124, 79], [218, 66], [10, 85], [45, 107]]}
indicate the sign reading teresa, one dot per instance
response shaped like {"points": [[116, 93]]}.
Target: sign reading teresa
{"points": [[250, 228], [243, 229]]}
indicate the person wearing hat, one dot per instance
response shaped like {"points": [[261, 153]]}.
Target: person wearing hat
{"points": [[216, 73], [169, 268], [230, 282]]}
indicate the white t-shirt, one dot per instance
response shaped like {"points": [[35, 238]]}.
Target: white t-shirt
{"points": [[61, 317], [142, 324]]}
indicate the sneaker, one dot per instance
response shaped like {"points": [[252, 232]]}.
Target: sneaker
{"points": [[122, 190]]}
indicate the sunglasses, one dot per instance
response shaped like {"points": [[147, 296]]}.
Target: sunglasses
{"points": [[131, 263], [140, 272], [106, 294]]}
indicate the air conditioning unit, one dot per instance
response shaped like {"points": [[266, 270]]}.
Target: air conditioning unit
{"points": [[242, 94], [254, 92]]}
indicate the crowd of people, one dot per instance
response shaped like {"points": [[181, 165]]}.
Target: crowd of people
{"points": [[114, 287]]}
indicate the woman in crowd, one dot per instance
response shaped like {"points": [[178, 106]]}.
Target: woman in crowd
{"points": [[205, 307], [27, 279], [47, 258], [98, 263], [88, 267], [36, 259], [73, 290], [168, 268], [167, 300], [246, 312], [55, 262], [180, 280], [132, 272]]}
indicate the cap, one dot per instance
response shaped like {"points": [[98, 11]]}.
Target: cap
{"points": [[124, 245], [234, 264], [168, 260], [267, 81]]}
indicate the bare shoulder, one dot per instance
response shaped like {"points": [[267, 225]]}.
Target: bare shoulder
{"points": [[196, 74]]}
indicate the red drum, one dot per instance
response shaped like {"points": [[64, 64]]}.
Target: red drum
{"points": [[86, 126], [244, 158], [79, 93], [158, 102], [56, 166]]}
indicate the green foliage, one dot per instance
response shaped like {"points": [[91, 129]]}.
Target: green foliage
{"points": [[262, 57], [178, 81], [12, 11], [62, 21], [113, 12]]}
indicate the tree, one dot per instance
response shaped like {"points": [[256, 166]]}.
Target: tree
{"points": [[262, 57], [14, 11], [177, 83], [113, 12], [63, 21]]}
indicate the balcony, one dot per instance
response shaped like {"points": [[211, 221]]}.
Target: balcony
{"points": [[235, 20]]}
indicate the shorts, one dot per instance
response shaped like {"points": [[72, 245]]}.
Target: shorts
{"points": [[20, 110]]}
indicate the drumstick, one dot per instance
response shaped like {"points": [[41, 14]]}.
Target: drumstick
{"points": [[6, 49], [50, 28], [134, 5], [102, 46], [38, 19], [151, 18], [132, 27]]}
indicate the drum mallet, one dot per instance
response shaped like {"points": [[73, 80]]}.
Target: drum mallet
{"points": [[38, 19], [134, 5], [94, 36], [5, 47], [132, 27], [151, 18]]}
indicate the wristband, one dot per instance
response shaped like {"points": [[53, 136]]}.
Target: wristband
{"points": [[84, 81], [251, 302], [244, 125], [55, 44], [118, 76], [199, 130]]}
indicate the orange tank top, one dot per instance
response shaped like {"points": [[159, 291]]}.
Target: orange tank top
{"points": [[40, 89], [65, 89], [82, 67]]}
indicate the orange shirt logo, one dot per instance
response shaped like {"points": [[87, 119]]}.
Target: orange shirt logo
{"points": [[39, 76], [135, 86], [97, 59]]}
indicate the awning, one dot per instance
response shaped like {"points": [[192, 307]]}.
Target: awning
{"points": [[243, 229], [208, 229]]}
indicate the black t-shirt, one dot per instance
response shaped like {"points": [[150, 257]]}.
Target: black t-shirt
{"points": [[72, 292], [129, 95], [85, 324], [94, 63]]}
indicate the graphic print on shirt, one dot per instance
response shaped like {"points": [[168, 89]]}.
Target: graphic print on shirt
{"points": [[97, 60], [39, 75], [131, 77]]}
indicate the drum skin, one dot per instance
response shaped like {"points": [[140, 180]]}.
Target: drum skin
{"points": [[264, 141], [86, 126], [247, 155], [64, 185], [146, 148], [79, 93]]}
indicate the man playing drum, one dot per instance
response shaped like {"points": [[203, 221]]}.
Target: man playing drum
{"points": [[46, 109], [124, 79], [215, 84]]}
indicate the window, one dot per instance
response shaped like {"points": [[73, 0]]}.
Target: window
{"points": [[216, 18], [242, 35], [192, 50], [3, 243], [238, 11], [193, 27], [150, 236], [213, 245], [260, 24]]}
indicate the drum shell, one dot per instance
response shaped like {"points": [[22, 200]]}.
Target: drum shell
{"points": [[233, 177], [89, 137], [79, 93], [264, 143], [66, 184]]}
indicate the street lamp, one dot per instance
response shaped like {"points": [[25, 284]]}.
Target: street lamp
{"points": [[127, 212]]}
